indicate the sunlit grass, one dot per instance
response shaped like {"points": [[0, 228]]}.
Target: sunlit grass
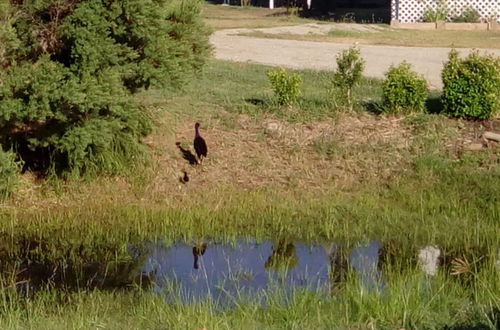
{"points": [[228, 17]]}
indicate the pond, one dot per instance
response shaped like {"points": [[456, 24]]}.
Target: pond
{"points": [[223, 272]]}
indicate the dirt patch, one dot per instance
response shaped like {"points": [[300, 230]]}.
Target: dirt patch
{"points": [[328, 155], [312, 29], [471, 137], [253, 157]]}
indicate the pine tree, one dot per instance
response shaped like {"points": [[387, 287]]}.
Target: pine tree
{"points": [[69, 70]]}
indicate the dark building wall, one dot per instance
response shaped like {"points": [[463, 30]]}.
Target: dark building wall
{"points": [[260, 3], [320, 5], [361, 11], [332, 4]]}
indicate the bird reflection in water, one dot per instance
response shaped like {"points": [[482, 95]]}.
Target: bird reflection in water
{"points": [[339, 267], [284, 256], [198, 251]]}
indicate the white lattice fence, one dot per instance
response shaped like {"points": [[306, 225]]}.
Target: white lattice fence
{"points": [[411, 10]]}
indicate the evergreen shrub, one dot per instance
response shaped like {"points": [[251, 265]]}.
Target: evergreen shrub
{"points": [[69, 71]]}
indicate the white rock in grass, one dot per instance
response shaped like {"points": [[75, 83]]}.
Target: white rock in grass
{"points": [[272, 128], [428, 258]]}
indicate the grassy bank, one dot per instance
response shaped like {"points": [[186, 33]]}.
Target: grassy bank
{"points": [[454, 208], [371, 175]]}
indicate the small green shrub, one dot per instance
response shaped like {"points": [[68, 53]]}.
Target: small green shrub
{"points": [[286, 85], [471, 86], [436, 14], [350, 66], [468, 15], [9, 173], [403, 90]]}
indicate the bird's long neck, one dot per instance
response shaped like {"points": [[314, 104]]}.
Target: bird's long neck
{"points": [[196, 132]]}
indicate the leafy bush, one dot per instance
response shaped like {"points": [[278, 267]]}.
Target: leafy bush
{"points": [[471, 85], [349, 71], [70, 69], [9, 173], [403, 90], [439, 13], [286, 85], [468, 15]]}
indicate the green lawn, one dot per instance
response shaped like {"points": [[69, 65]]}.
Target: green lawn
{"points": [[229, 17]]}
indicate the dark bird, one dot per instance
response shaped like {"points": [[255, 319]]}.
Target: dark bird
{"points": [[184, 178], [187, 154], [198, 250], [200, 146]]}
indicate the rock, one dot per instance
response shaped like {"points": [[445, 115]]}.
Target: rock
{"points": [[272, 128], [428, 258], [492, 136], [474, 147]]}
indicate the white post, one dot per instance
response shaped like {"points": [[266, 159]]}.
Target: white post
{"points": [[308, 4], [271, 4]]}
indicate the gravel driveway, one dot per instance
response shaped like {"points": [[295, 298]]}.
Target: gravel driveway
{"points": [[321, 55]]}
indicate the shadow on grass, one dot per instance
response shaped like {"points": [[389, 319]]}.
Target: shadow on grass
{"points": [[433, 103], [493, 316], [255, 101], [187, 154], [372, 107], [302, 110], [348, 14]]}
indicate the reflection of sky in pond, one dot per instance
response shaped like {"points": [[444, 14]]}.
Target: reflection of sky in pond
{"points": [[227, 270], [364, 259]]}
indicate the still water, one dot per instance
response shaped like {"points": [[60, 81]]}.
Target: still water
{"points": [[222, 272], [225, 271]]}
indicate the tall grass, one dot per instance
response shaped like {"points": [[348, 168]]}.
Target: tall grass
{"points": [[408, 299], [438, 203]]}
